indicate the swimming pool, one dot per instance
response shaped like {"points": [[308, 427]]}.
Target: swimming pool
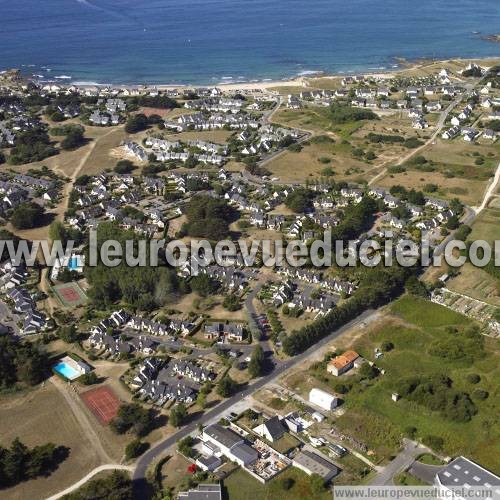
{"points": [[66, 371], [73, 263]]}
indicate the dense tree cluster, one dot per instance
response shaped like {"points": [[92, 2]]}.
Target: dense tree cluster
{"points": [[208, 218], [19, 463], [143, 288], [299, 200], [437, 394], [31, 145], [27, 215], [132, 417], [356, 219], [226, 386], [342, 113], [124, 167], [21, 362], [136, 123]]}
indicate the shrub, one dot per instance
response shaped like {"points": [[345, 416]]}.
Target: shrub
{"points": [[480, 394], [410, 431], [135, 449], [412, 143], [387, 346], [396, 169], [124, 167], [473, 378]]}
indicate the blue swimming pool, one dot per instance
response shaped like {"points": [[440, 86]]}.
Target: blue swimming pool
{"points": [[73, 263], [66, 371]]}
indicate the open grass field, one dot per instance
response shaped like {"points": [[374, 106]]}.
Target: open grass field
{"points": [[468, 191], [312, 161], [412, 326], [314, 119], [217, 136], [477, 282], [41, 416], [424, 314], [241, 486]]}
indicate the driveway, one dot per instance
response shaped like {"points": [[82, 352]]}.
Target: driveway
{"points": [[402, 461], [425, 473]]}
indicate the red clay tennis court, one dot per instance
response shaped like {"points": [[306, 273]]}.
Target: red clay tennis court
{"points": [[103, 403], [70, 294]]}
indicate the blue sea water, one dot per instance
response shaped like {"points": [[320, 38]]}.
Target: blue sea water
{"points": [[210, 41]]}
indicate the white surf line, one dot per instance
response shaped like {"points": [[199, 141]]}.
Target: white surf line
{"points": [[90, 475]]}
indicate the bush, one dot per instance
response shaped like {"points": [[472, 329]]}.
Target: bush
{"points": [[430, 188], [396, 169], [89, 379], [135, 449], [341, 113], [287, 483], [124, 167], [387, 346], [479, 394], [410, 431], [178, 415], [473, 378], [412, 143]]}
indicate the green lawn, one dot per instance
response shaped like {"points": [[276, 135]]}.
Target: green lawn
{"points": [[429, 459], [406, 479], [285, 443], [241, 486], [423, 313], [372, 416]]}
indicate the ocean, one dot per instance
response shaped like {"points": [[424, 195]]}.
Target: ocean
{"points": [[214, 41]]}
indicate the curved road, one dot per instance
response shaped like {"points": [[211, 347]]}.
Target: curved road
{"points": [[141, 489]]}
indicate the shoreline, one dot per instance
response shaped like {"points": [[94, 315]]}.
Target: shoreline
{"points": [[300, 81]]}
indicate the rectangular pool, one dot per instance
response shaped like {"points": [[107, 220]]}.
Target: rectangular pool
{"points": [[66, 371]]}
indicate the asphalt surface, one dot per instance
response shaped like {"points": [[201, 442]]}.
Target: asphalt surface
{"points": [[402, 461], [141, 487], [424, 472]]}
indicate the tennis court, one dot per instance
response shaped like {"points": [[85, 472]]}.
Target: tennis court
{"points": [[70, 294], [103, 403]]}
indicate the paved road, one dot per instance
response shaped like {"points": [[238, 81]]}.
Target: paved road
{"points": [[424, 472], [139, 476], [402, 461]]}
